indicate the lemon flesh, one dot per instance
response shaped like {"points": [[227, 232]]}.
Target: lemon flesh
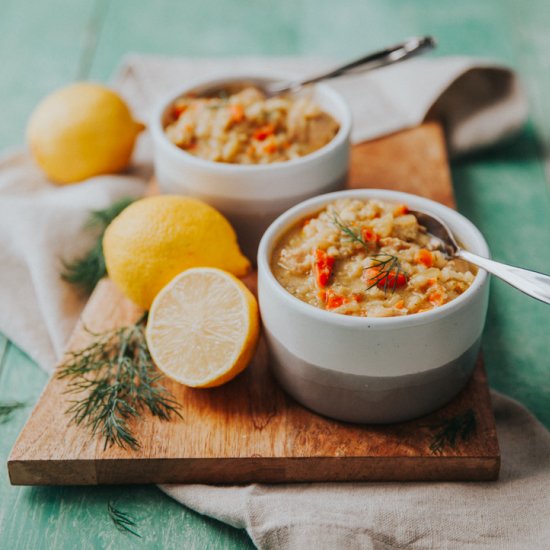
{"points": [[203, 328], [156, 238], [80, 131]]}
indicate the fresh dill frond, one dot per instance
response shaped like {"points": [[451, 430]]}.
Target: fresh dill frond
{"points": [[387, 265], [122, 520], [353, 236], [102, 218], [85, 272], [88, 270], [116, 381], [388, 268], [450, 431], [7, 408]]}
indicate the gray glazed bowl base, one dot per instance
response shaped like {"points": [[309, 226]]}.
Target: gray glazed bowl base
{"points": [[367, 399]]}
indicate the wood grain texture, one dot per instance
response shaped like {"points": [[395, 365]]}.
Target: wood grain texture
{"points": [[249, 430], [412, 160]]}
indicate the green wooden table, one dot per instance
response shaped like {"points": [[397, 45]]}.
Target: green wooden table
{"points": [[44, 45]]}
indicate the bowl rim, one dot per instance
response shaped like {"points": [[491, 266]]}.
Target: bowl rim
{"points": [[159, 135], [291, 216]]}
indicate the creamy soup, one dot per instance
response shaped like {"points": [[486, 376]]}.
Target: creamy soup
{"points": [[248, 128], [367, 258]]}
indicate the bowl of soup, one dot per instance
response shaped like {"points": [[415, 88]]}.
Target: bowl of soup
{"points": [[250, 156], [365, 318]]}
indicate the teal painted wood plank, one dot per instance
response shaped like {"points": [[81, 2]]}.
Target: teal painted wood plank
{"points": [[209, 27], [531, 41], [42, 518], [41, 44], [3, 348], [505, 194]]}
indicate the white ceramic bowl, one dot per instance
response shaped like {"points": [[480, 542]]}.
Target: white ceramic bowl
{"points": [[252, 196], [374, 370]]}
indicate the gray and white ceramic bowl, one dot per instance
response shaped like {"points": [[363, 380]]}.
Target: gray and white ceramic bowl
{"points": [[372, 370], [251, 196]]}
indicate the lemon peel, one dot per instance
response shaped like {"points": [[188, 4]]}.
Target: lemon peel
{"points": [[80, 131], [156, 238]]}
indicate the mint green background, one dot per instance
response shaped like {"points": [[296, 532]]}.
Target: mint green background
{"points": [[46, 44]]}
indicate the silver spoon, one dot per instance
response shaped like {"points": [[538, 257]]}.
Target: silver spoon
{"points": [[388, 56], [394, 54], [532, 283]]}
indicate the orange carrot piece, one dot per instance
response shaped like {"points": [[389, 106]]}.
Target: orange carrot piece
{"points": [[237, 112], [323, 264], [436, 297], [270, 147], [425, 257], [334, 300], [178, 110], [401, 210], [370, 236]]}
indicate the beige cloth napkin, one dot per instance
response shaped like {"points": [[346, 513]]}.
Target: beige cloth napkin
{"points": [[40, 225], [511, 514]]}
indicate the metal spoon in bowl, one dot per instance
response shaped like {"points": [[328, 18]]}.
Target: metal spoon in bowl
{"points": [[388, 56], [529, 282]]}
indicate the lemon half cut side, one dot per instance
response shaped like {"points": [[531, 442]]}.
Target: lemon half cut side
{"points": [[203, 327]]}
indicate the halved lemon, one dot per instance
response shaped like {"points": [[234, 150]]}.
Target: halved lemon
{"points": [[203, 327]]}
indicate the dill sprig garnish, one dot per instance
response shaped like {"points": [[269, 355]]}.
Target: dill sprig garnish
{"points": [[388, 269], [86, 271], [353, 236], [7, 408], [117, 379], [450, 430], [122, 520], [387, 266]]}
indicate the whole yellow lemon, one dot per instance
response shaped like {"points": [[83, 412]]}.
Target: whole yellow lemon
{"points": [[156, 238], [80, 131]]}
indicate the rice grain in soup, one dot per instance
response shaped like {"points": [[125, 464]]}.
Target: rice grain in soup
{"points": [[248, 128], [367, 258]]}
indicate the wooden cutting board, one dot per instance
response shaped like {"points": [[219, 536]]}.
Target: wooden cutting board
{"points": [[249, 430]]}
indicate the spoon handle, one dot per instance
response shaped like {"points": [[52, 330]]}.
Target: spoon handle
{"points": [[393, 54], [532, 283]]}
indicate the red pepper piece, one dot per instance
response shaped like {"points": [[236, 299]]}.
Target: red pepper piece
{"points": [[392, 281], [264, 132], [322, 264]]}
